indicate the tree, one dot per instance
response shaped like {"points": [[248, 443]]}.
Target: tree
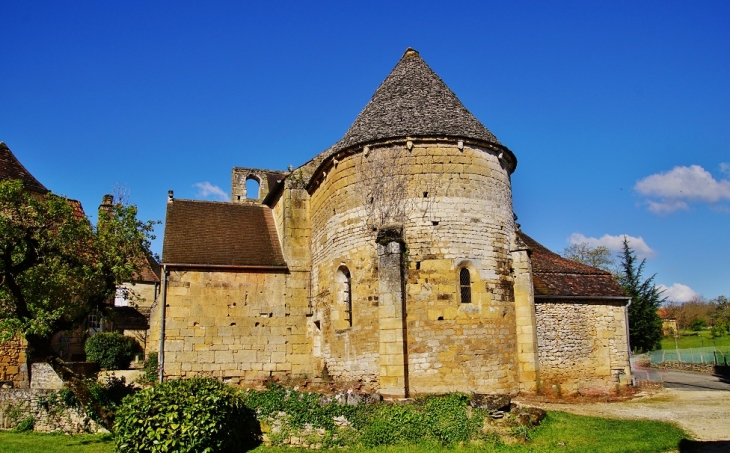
{"points": [[697, 308], [599, 256], [720, 316], [383, 186], [56, 267], [645, 326]]}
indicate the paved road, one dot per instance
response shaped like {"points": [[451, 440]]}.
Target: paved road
{"points": [[683, 380]]}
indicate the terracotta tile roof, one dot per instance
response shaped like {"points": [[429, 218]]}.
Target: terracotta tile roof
{"points": [[221, 234], [554, 275], [413, 101], [149, 270], [11, 168], [78, 209]]}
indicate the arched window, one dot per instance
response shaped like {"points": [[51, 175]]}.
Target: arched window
{"points": [[465, 285], [252, 188], [344, 292]]}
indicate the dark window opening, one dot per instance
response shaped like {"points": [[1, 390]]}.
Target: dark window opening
{"points": [[465, 284], [345, 281]]}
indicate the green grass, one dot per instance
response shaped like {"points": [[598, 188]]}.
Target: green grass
{"points": [[560, 432], [54, 443], [689, 339]]}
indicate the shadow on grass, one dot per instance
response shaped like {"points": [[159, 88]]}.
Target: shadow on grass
{"points": [[710, 446]]}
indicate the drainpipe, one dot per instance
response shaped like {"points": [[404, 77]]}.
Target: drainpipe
{"points": [[161, 353], [628, 339]]}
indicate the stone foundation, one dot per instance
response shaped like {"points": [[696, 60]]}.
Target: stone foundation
{"points": [[48, 413]]}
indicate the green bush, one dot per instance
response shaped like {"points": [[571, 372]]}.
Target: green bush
{"points": [[448, 420], [109, 393], [111, 350], [150, 369], [193, 415], [697, 324], [395, 424], [25, 425], [435, 420]]}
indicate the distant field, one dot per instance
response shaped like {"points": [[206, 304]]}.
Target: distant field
{"points": [[689, 339]]}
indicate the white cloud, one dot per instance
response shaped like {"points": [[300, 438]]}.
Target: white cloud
{"points": [[615, 243], [681, 184], [665, 207], [206, 189], [725, 168], [677, 292]]}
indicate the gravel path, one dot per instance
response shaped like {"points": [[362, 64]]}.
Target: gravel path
{"points": [[705, 414]]}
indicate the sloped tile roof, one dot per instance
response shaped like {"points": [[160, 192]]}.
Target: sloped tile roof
{"points": [[413, 101], [11, 168], [554, 275], [78, 209], [220, 234], [149, 270]]}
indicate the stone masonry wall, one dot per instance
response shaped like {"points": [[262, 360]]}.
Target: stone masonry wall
{"points": [[236, 326], [460, 216], [13, 366], [48, 413], [582, 346]]}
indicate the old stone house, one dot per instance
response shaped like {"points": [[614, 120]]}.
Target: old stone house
{"points": [[129, 314], [392, 258]]}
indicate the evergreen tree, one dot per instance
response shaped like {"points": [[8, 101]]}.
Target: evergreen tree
{"points": [[645, 326]]}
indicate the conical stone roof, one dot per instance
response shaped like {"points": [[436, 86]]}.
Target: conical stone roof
{"points": [[11, 168], [413, 102]]}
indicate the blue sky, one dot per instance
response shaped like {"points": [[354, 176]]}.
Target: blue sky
{"points": [[618, 112]]}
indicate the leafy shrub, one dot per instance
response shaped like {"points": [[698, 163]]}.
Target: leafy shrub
{"points": [[301, 408], [25, 425], [394, 424], [448, 420], [193, 415], [108, 393], [111, 350], [697, 324], [443, 420], [717, 332], [435, 419], [150, 369], [111, 392]]}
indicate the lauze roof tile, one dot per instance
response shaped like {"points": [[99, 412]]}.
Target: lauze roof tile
{"points": [[11, 168]]}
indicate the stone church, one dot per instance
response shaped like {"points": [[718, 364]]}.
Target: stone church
{"points": [[392, 259]]}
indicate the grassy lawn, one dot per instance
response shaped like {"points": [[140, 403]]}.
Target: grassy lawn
{"points": [[560, 432], [689, 339], [54, 443]]}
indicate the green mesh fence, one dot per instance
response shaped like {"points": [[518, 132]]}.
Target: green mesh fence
{"points": [[708, 355]]}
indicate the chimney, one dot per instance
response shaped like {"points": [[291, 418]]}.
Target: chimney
{"points": [[107, 204], [170, 197]]}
